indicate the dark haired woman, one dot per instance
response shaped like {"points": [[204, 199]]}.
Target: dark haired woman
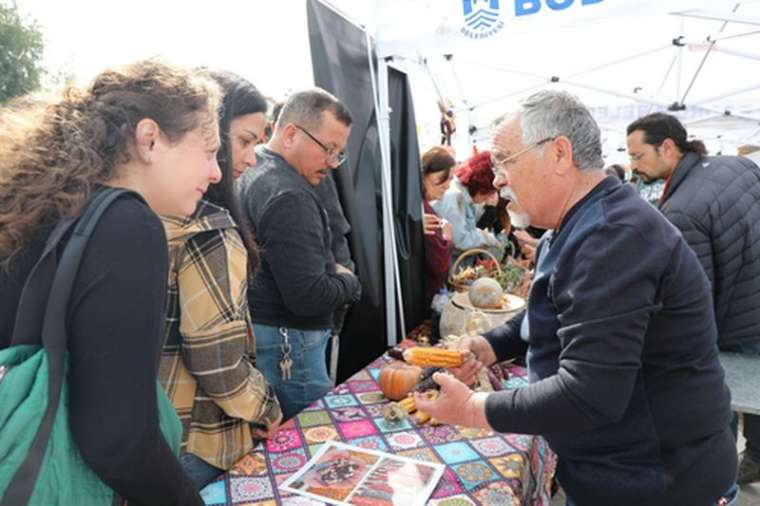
{"points": [[462, 205], [208, 364], [150, 128], [436, 176]]}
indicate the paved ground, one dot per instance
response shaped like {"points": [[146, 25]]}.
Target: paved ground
{"points": [[750, 494]]}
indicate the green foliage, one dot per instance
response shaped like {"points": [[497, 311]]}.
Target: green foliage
{"points": [[20, 53], [510, 276]]}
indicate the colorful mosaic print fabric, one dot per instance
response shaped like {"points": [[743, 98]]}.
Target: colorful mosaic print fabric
{"points": [[482, 467]]}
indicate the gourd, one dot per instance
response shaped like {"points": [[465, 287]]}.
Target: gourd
{"points": [[397, 379], [486, 293]]}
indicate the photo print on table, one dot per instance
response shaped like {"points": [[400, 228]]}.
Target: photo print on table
{"points": [[347, 475]]}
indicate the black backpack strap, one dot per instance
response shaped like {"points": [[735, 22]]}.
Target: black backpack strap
{"points": [[27, 328], [54, 339]]}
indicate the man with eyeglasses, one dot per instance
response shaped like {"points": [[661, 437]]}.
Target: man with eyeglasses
{"points": [[715, 202], [620, 339], [299, 285]]}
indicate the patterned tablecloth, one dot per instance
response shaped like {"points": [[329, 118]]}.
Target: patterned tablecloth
{"points": [[482, 467]]}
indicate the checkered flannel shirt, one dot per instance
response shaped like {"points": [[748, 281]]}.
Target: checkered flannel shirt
{"points": [[208, 361]]}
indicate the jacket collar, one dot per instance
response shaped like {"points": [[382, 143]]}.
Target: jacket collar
{"points": [[461, 188], [207, 216], [267, 155], [680, 173], [605, 185]]}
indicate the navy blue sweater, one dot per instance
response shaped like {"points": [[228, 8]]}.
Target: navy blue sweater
{"points": [[621, 346]]}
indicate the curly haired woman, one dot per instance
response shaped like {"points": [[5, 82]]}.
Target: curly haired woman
{"points": [[150, 128]]}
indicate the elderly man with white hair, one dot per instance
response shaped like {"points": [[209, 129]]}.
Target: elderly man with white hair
{"points": [[619, 331]]}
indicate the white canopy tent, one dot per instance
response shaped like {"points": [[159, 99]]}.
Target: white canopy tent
{"points": [[624, 58]]}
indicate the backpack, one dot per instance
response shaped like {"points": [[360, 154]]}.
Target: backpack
{"points": [[40, 464]]}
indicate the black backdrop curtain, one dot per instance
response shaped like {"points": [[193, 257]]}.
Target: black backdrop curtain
{"points": [[341, 66]]}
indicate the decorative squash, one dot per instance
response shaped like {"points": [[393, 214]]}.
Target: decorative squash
{"points": [[397, 379], [486, 293], [393, 413]]}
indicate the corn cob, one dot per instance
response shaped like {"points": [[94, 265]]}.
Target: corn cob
{"points": [[396, 353], [431, 395], [408, 405], [426, 380], [421, 417], [433, 357]]}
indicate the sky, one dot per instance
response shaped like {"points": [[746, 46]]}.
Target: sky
{"points": [[267, 43], [271, 50]]}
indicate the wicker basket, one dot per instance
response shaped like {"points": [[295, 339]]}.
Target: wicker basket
{"points": [[461, 287]]}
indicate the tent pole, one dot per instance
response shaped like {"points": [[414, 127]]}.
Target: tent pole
{"points": [[725, 95], [704, 58], [467, 107], [506, 70], [664, 80], [750, 136], [621, 60], [432, 79], [734, 52], [508, 95], [385, 138], [718, 16], [722, 112], [389, 243], [679, 80], [735, 36], [635, 98], [703, 118]]}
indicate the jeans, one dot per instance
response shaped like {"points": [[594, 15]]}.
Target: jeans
{"points": [[751, 422], [309, 379], [731, 496], [200, 472]]}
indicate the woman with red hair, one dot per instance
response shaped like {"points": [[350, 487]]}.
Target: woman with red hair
{"points": [[463, 204]]}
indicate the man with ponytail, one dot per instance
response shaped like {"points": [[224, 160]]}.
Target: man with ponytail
{"points": [[715, 202]]}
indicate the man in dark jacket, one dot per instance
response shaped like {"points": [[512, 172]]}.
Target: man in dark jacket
{"points": [[299, 285], [715, 202], [625, 382]]}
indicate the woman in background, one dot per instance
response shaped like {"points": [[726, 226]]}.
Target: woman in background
{"points": [[208, 367], [463, 203], [436, 176]]}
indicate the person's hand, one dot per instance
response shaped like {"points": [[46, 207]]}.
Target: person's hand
{"points": [[272, 429], [342, 269], [525, 239], [527, 243], [430, 223], [447, 230], [456, 404], [492, 200], [484, 356]]}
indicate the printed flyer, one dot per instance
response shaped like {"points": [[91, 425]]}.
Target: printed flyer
{"points": [[342, 474]]}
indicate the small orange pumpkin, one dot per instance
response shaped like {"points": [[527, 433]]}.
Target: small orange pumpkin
{"points": [[397, 379]]}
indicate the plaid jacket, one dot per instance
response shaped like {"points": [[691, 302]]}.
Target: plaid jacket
{"points": [[208, 361]]}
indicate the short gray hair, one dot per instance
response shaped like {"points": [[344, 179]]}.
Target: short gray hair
{"points": [[305, 108], [549, 114]]}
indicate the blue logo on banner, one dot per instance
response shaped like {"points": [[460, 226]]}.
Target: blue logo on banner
{"points": [[481, 18]]}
